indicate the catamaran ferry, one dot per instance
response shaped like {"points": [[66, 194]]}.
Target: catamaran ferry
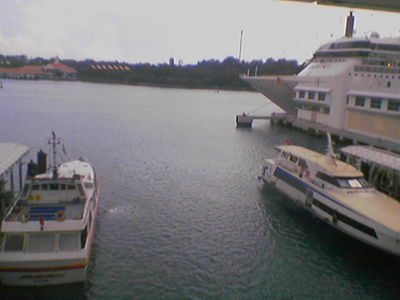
{"points": [[337, 193], [47, 234]]}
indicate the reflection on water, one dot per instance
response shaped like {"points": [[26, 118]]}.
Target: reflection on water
{"points": [[182, 213]]}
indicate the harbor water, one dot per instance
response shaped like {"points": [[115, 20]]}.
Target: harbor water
{"points": [[182, 214]]}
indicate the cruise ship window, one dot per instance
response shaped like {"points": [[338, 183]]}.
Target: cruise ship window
{"points": [[376, 103], [311, 95], [360, 101], [393, 105]]}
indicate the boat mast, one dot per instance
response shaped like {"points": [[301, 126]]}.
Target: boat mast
{"points": [[330, 153], [54, 142]]}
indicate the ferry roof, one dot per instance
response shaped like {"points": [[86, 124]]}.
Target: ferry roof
{"points": [[377, 156], [341, 169], [10, 154], [376, 206]]}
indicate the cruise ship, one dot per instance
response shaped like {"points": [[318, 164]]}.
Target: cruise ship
{"points": [[350, 88]]}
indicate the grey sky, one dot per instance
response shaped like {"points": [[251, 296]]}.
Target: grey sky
{"points": [[155, 30]]}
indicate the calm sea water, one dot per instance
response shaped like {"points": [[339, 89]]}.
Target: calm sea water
{"points": [[182, 214]]}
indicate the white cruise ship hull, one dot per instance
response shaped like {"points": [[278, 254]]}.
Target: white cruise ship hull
{"points": [[331, 210]]}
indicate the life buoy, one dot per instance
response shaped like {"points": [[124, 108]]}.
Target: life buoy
{"points": [[60, 215], [23, 216]]}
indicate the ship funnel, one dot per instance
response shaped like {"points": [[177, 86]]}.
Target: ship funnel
{"points": [[349, 26]]}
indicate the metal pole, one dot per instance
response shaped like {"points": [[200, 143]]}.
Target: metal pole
{"points": [[240, 46], [12, 179], [20, 175]]}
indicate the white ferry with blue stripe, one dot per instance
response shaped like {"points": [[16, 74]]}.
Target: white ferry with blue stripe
{"points": [[47, 234], [337, 193]]}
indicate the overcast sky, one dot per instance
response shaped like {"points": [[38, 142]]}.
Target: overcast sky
{"points": [[155, 30]]}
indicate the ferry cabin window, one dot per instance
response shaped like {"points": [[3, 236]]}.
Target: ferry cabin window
{"points": [[44, 187], [71, 187], [53, 186], [84, 237], [321, 96], [360, 101], [42, 242], [302, 94], [353, 183], [376, 103], [69, 241], [326, 178], [393, 105], [62, 186], [303, 164], [88, 185], [35, 187], [284, 155], [14, 242], [293, 158], [344, 182], [311, 95]]}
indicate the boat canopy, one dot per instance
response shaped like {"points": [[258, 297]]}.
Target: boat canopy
{"points": [[374, 155], [10, 154]]}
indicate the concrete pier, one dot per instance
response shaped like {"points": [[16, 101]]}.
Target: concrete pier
{"points": [[246, 120]]}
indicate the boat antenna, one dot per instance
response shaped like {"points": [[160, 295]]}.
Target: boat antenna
{"points": [[330, 154], [54, 142]]}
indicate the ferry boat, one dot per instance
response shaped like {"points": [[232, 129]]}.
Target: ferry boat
{"points": [[337, 193], [47, 234], [350, 87]]}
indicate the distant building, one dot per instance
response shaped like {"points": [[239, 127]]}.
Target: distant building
{"points": [[55, 70]]}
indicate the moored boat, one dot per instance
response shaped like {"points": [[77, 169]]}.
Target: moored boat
{"points": [[337, 193], [47, 234]]}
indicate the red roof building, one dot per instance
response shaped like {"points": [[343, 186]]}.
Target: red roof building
{"points": [[54, 70]]}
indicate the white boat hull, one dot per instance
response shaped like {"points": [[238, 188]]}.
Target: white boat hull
{"points": [[41, 277]]}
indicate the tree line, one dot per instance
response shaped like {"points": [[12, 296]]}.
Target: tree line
{"points": [[205, 74]]}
